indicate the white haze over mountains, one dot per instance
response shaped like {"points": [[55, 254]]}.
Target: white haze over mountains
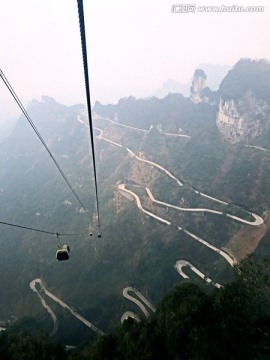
{"points": [[215, 74], [134, 46]]}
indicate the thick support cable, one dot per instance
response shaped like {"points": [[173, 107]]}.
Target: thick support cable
{"points": [[5, 80], [87, 87]]}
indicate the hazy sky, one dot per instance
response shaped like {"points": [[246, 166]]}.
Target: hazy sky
{"points": [[134, 46]]}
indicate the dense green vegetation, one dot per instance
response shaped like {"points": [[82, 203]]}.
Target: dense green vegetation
{"points": [[26, 346], [206, 161], [135, 249], [247, 75], [230, 323]]}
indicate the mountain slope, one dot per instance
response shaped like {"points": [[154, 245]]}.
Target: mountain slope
{"points": [[207, 192]]}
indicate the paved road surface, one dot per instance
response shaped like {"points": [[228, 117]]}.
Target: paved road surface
{"points": [[131, 314], [230, 260], [140, 303], [45, 305], [139, 129], [181, 263], [61, 303], [258, 220], [138, 202]]}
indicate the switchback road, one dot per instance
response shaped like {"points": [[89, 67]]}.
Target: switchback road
{"points": [[258, 219], [141, 302], [61, 303], [181, 263]]}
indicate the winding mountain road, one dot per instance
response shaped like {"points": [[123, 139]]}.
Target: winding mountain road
{"points": [[138, 202], [140, 303], [61, 303], [258, 219], [100, 137], [232, 261], [257, 147], [45, 305], [131, 314], [140, 300], [139, 129], [181, 263]]}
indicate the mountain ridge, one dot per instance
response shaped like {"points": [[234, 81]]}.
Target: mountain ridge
{"points": [[140, 142]]}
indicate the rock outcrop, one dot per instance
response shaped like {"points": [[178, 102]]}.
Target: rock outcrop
{"points": [[198, 84], [243, 119]]}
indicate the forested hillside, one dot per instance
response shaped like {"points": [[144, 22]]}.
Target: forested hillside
{"points": [[232, 323], [177, 201], [189, 323]]}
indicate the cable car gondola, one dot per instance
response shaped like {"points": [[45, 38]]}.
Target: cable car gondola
{"points": [[62, 252]]}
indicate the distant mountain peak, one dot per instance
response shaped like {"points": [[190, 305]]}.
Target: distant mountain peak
{"points": [[47, 99], [198, 84], [215, 74]]}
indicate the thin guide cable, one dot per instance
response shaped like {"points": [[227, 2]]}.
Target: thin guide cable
{"points": [[39, 230], [5, 80]]}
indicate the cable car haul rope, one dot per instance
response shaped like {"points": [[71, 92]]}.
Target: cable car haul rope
{"points": [[62, 252], [87, 87]]}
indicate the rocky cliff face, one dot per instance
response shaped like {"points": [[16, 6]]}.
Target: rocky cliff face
{"points": [[198, 84], [243, 119], [244, 102]]}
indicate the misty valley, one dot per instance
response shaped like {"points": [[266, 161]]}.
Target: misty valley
{"points": [[184, 194]]}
